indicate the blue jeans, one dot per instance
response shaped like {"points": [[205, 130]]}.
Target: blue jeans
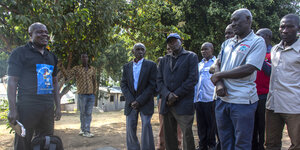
{"points": [[86, 103], [147, 134], [235, 123]]}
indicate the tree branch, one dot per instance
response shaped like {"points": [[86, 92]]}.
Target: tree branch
{"points": [[3, 21], [9, 9], [7, 43]]}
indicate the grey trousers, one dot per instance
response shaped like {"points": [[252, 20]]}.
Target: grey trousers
{"points": [[170, 130], [147, 134]]}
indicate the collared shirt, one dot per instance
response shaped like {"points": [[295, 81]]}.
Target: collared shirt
{"points": [[250, 50], [204, 89], [85, 79], [137, 66], [175, 57], [181, 80], [284, 95], [35, 71]]}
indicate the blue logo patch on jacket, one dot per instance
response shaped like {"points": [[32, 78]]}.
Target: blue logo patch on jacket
{"points": [[44, 78]]}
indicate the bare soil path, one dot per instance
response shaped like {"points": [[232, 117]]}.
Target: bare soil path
{"points": [[108, 127]]}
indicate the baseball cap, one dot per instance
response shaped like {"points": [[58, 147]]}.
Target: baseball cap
{"points": [[173, 35]]}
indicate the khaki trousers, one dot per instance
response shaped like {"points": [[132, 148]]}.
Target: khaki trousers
{"points": [[161, 137], [274, 127]]}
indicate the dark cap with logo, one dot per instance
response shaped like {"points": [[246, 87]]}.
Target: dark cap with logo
{"points": [[173, 35]]}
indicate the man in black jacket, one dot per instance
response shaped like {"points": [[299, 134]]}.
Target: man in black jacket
{"points": [[138, 87], [177, 76]]}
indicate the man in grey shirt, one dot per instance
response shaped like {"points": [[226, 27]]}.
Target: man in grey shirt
{"points": [[283, 102], [240, 57]]}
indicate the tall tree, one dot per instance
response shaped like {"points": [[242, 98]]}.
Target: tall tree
{"points": [[3, 63], [75, 26], [206, 20], [149, 22]]}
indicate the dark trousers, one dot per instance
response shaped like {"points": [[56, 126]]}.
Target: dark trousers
{"points": [[37, 119], [274, 127], [259, 126], [218, 144], [171, 119], [205, 124]]}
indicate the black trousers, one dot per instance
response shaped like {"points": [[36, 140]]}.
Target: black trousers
{"points": [[259, 126], [37, 119], [206, 124]]}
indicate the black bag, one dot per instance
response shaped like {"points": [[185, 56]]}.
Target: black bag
{"points": [[47, 143]]}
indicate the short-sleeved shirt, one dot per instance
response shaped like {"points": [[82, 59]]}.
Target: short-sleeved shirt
{"points": [[204, 89], [284, 94], [35, 72], [250, 50]]}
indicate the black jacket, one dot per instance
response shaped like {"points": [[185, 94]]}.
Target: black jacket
{"points": [[181, 80], [146, 87]]}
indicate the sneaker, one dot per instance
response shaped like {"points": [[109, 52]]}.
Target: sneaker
{"points": [[88, 134], [81, 132]]}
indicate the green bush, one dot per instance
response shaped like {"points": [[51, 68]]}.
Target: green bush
{"points": [[4, 112]]}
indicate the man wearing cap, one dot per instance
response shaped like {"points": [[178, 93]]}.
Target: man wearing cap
{"points": [[161, 137], [138, 87], [177, 76], [241, 57]]}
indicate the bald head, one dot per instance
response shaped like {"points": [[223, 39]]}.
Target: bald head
{"points": [[139, 45], [39, 35], [241, 21], [35, 26], [293, 17], [207, 50], [208, 44], [139, 51], [245, 12], [288, 29], [266, 34], [229, 32]]}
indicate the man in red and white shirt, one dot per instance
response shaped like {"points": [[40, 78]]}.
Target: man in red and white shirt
{"points": [[262, 86]]}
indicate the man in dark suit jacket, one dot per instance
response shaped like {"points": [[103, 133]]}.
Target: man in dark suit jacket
{"points": [[138, 87], [177, 76]]}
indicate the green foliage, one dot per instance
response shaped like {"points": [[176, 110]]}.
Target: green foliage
{"points": [[149, 22], [206, 20], [3, 63], [75, 26], [108, 29], [4, 112]]}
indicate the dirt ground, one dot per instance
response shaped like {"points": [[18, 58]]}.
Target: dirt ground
{"points": [[108, 127]]}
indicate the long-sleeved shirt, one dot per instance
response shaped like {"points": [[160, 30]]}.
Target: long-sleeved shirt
{"points": [[204, 89], [136, 69], [285, 79], [179, 79]]}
